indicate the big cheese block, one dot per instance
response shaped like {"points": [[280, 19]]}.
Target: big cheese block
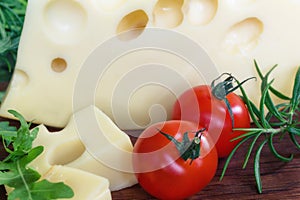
{"points": [[68, 148], [60, 40], [85, 185]]}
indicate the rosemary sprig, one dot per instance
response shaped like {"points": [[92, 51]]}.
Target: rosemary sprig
{"points": [[270, 120], [12, 15]]}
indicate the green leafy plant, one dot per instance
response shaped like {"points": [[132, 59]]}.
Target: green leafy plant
{"points": [[270, 120], [12, 15], [25, 182]]}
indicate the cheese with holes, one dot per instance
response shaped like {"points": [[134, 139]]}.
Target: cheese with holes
{"points": [[107, 153], [130, 86], [85, 185]]}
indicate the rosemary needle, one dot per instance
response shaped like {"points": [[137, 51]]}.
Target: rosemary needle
{"points": [[279, 120]]}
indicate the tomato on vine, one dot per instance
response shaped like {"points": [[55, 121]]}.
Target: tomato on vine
{"points": [[174, 159], [217, 109]]}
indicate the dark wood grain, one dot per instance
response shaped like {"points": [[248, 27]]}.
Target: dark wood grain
{"points": [[280, 180]]}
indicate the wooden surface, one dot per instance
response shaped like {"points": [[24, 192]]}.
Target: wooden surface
{"points": [[280, 180]]}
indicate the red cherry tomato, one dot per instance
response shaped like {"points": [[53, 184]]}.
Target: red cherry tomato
{"points": [[160, 168], [200, 106]]}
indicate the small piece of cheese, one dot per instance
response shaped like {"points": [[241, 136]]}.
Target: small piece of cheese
{"points": [[118, 180], [108, 152], [60, 35], [85, 185], [67, 148]]}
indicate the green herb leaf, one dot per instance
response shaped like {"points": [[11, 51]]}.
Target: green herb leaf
{"points": [[296, 91], [279, 120], [42, 190], [257, 166], [12, 14], [294, 140], [246, 160], [274, 91], [14, 170], [275, 153], [264, 122], [253, 110], [267, 98], [232, 154]]}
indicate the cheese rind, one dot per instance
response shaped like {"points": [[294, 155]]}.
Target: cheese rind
{"points": [[233, 33]]}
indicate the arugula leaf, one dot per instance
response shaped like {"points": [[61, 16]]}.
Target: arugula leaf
{"points": [[14, 171], [42, 190]]}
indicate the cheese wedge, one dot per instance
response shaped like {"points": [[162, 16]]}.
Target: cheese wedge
{"points": [[71, 44], [85, 185], [107, 153]]}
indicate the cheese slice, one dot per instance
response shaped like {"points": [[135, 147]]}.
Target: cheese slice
{"points": [[94, 187], [69, 148], [63, 42]]}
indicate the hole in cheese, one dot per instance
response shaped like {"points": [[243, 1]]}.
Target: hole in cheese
{"points": [[168, 13], [65, 20], [200, 12], [66, 152], [135, 22], [59, 65], [243, 36], [20, 79]]}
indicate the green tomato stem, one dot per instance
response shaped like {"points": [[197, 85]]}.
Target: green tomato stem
{"points": [[188, 149]]}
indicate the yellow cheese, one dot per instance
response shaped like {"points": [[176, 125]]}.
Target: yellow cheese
{"points": [[60, 37], [85, 185], [108, 152], [68, 147]]}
